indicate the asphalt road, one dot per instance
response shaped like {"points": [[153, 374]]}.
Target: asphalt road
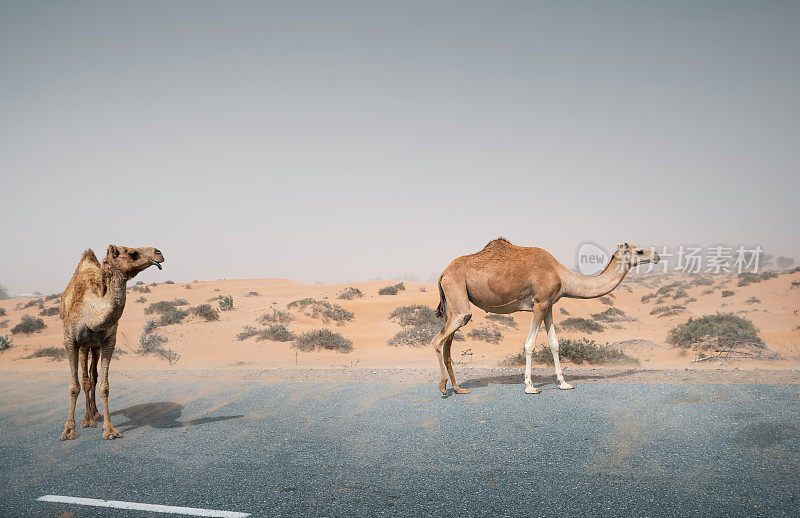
{"points": [[360, 448]]}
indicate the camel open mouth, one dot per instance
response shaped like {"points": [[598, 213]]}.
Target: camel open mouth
{"points": [[156, 264]]}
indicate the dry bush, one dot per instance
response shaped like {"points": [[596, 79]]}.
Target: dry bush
{"points": [[322, 309], [350, 293], [206, 312], [611, 315], [667, 311], [393, 289], [487, 334], [54, 353], [715, 332], [277, 317], [322, 339], [502, 319], [576, 351], [421, 325], [581, 324], [49, 312], [28, 325], [727, 293]]}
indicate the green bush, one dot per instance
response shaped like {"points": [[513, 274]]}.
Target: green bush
{"points": [[487, 334], [39, 303], [421, 325], [140, 288], [322, 339], [503, 319], [414, 315], [727, 293], [715, 332], [54, 353], [49, 312], [322, 309], [206, 312], [581, 324], [577, 351], [52, 296], [226, 303], [5, 342], [350, 293], [393, 289], [173, 316], [28, 325]]}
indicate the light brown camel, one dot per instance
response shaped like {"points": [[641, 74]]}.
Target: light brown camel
{"points": [[503, 278], [91, 306]]}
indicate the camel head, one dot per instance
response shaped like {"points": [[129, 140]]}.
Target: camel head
{"points": [[634, 256], [131, 261]]}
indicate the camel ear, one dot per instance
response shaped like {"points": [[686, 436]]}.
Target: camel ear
{"points": [[112, 251]]}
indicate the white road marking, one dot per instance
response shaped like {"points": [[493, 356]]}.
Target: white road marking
{"points": [[153, 508]]}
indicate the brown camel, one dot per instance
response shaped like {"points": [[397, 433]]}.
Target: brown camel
{"points": [[503, 278], [91, 306]]}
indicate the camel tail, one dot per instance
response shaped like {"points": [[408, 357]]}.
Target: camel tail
{"points": [[441, 310]]}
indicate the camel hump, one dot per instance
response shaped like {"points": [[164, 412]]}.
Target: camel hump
{"points": [[500, 241], [88, 260]]}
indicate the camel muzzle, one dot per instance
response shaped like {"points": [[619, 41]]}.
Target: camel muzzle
{"points": [[157, 264]]}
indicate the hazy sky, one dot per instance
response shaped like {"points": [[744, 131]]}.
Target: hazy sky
{"points": [[338, 141]]}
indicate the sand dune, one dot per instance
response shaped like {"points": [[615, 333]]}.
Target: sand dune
{"points": [[204, 344]]}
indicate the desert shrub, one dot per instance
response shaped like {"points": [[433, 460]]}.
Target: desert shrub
{"points": [[564, 311], [687, 301], [3, 324], [226, 303], [140, 300], [5, 342], [668, 288], [502, 319], [2, 312], [54, 353], [140, 288], [173, 316], [581, 324], [748, 278], [52, 296], [753, 300], [582, 351], [708, 291], [169, 282], [163, 306], [667, 311], [487, 334], [276, 333], [727, 293], [715, 332], [205, 311], [187, 286], [767, 274], [648, 297], [4, 294], [322, 339], [680, 293], [606, 300], [423, 289], [393, 289], [322, 309], [699, 280], [421, 325], [252, 294], [277, 317], [247, 332], [150, 342], [610, 315], [795, 284], [350, 293], [28, 325], [49, 312], [793, 270], [415, 314], [39, 303]]}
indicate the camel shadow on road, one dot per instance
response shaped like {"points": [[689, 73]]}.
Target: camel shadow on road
{"points": [[163, 414], [540, 380]]}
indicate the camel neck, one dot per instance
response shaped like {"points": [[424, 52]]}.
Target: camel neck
{"points": [[578, 286], [114, 286]]}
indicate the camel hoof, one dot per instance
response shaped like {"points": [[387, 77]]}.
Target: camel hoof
{"points": [[530, 389], [112, 434], [565, 386], [443, 387], [89, 423], [69, 435], [459, 390], [97, 417]]}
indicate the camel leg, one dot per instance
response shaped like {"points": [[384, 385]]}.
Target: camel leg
{"points": [[95, 351], [74, 390], [109, 432], [83, 356], [448, 361], [530, 342], [551, 336]]}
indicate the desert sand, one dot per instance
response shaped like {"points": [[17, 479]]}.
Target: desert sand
{"points": [[211, 345]]}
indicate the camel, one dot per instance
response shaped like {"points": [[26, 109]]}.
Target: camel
{"points": [[90, 308], [504, 278]]}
